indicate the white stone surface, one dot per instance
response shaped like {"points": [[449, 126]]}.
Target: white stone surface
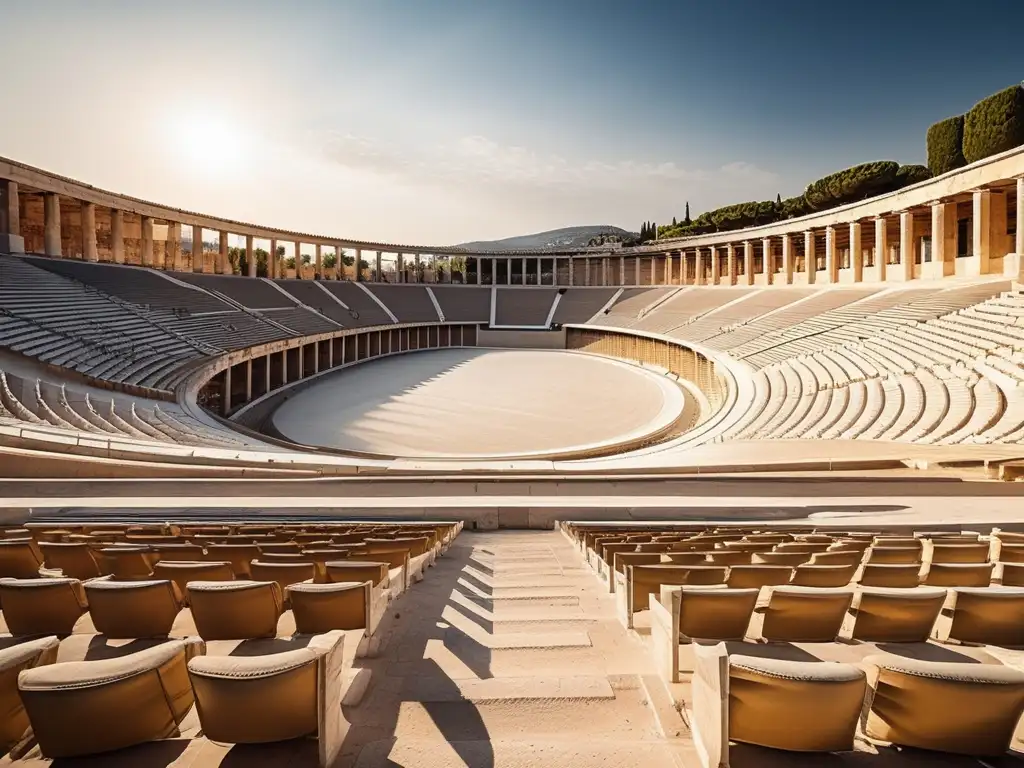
{"points": [[478, 403]]}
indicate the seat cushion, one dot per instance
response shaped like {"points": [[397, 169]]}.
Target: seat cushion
{"points": [[805, 614], [894, 615], [794, 705], [133, 609], [257, 699], [13, 718], [89, 707], [714, 613], [42, 606], [324, 607], [235, 610], [969, 709], [376, 573]]}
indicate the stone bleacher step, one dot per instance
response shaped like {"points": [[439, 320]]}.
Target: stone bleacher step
{"points": [[517, 754], [431, 689]]}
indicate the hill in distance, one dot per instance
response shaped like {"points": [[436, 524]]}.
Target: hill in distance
{"points": [[567, 237]]}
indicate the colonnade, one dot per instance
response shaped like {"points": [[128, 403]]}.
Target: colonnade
{"points": [[260, 371], [967, 223]]}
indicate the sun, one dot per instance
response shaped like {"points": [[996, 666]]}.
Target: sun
{"points": [[211, 142]]}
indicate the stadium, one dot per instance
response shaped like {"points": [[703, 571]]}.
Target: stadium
{"points": [[745, 492]]}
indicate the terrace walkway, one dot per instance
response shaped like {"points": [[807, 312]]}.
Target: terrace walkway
{"points": [[508, 655]]}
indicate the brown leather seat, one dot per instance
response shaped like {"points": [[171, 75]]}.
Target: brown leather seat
{"points": [[261, 699], [1013, 574], [959, 575], [969, 709], [792, 559], [894, 555], [75, 560], [127, 562], [646, 580], [319, 608], [278, 547], [831, 557], [235, 610], [983, 615], [805, 614], [942, 552], [239, 555], [13, 718], [711, 612], [182, 572], [133, 609], [756, 576], [806, 547], [42, 606], [823, 575], [377, 574], [1011, 553], [730, 557], [284, 573], [20, 559], [90, 707], [687, 558], [797, 706], [890, 575], [894, 615]]}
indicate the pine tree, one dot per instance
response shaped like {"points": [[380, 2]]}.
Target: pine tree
{"points": [[778, 199], [686, 219]]}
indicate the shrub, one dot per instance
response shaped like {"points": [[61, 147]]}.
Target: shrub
{"points": [[911, 174], [742, 215], [792, 207], [994, 125], [856, 183], [945, 145]]}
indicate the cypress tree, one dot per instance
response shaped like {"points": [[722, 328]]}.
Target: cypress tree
{"points": [[674, 221], [778, 199], [686, 219]]}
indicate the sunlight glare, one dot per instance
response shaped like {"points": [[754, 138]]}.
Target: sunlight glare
{"points": [[213, 143]]}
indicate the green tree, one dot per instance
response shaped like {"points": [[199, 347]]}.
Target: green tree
{"points": [[686, 218], [330, 260]]}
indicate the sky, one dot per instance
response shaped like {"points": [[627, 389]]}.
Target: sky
{"points": [[436, 122]]}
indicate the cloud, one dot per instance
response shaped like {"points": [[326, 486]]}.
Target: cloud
{"points": [[482, 162]]}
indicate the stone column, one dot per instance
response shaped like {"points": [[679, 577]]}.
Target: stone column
{"points": [[250, 257], [907, 255], [248, 380], [944, 236], [318, 262], [11, 240], [787, 259], [508, 271], [223, 260], [378, 266], [358, 261], [572, 271], [586, 273], [197, 248], [1019, 245], [51, 225], [540, 272], [716, 268], [479, 269], [226, 393], [982, 220], [856, 252], [89, 252], [117, 236], [147, 241], [881, 247], [636, 265], [748, 261], [730, 261], [810, 259], [172, 247], [767, 260], [831, 264], [400, 268], [272, 263], [604, 270], [622, 270], [698, 267]]}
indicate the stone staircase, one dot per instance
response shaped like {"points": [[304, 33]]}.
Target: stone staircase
{"points": [[509, 655]]}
